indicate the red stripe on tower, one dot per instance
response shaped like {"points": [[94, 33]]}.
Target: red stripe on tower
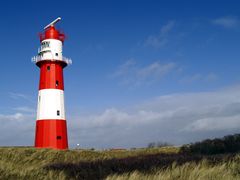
{"points": [[51, 126]]}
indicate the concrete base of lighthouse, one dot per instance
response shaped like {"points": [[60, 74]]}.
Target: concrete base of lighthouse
{"points": [[51, 134]]}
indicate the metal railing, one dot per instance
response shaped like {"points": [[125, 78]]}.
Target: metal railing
{"points": [[36, 59]]}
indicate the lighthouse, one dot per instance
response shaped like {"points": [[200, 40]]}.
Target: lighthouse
{"points": [[51, 125]]}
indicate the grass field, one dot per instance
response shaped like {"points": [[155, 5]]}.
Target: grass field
{"points": [[154, 163]]}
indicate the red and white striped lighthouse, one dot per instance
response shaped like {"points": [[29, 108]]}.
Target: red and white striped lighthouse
{"points": [[51, 126]]}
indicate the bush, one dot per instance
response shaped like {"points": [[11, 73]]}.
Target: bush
{"points": [[227, 144], [158, 144]]}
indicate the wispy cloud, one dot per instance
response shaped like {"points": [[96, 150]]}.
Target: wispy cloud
{"points": [[211, 77], [156, 70], [131, 73], [227, 22], [14, 95], [25, 109], [12, 117], [199, 78], [124, 69], [161, 39]]}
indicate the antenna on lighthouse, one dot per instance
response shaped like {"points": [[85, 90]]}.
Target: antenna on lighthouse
{"points": [[52, 23]]}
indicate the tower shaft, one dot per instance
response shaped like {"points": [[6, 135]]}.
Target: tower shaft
{"points": [[51, 127]]}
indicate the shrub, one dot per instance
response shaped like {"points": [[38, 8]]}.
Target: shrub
{"points": [[227, 144]]}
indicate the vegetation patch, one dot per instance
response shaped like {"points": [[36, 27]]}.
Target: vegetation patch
{"points": [[209, 159]]}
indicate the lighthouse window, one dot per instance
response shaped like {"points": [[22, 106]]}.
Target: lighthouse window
{"points": [[56, 54], [58, 113], [45, 44], [59, 137], [57, 83], [48, 68]]}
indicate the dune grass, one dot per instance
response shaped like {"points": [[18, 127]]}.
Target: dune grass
{"points": [[188, 171], [154, 163], [30, 163]]}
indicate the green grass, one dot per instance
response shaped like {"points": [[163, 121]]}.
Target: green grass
{"points": [[154, 163]]}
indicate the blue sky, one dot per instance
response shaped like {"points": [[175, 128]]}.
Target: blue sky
{"points": [[142, 70]]}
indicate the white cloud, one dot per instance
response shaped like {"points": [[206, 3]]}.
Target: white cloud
{"points": [[167, 28], [176, 118], [17, 129], [12, 117], [25, 109], [125, 68], [213, 124], [190, 79], [161, 39], [199, 78], [155, 69], [227, 22], [211, 77], [20, 96], [131, 73]]}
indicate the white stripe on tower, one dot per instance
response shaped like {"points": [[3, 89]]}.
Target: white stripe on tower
{"points": [[51, 104]]}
